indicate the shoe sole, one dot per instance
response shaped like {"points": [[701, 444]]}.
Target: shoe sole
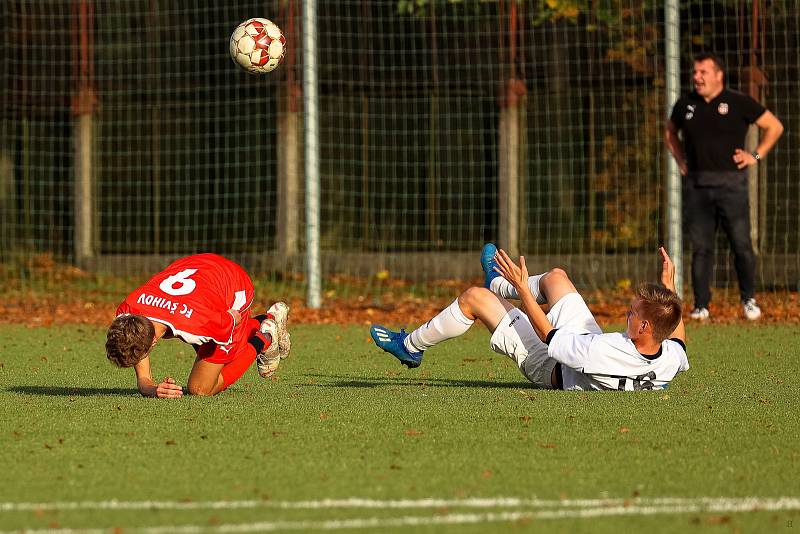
{"points": [[268, 367], [268, 361], [280, 312]]}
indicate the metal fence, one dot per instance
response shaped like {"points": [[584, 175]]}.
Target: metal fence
{"points": [[127, 135]]}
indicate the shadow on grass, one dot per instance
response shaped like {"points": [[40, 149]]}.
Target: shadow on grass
{"points": [[53, 391], [338, 381]]}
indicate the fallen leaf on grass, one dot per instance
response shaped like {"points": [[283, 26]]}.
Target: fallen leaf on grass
{"points": [[413, 432]]}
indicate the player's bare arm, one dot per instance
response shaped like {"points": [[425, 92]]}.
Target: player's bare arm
{"points": [[518, 277], [675, 146], [668, 280], [166, 389]]}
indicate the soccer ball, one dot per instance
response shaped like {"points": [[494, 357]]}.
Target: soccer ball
{"points": [[257, 45]]}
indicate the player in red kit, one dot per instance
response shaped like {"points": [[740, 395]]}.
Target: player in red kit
{"points": [[203, 300]]}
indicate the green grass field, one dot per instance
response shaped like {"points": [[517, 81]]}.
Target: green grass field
{"points": [[346, 439]]}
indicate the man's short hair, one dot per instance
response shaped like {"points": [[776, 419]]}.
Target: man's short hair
{"points": [[714, 58], [661, 307], [129, 339]]}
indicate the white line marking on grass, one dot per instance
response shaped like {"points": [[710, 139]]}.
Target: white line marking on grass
{"points": [[677, 506], [503, 502], [358, 503]]}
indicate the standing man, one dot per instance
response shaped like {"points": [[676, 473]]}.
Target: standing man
{"points": [[712, 159], [203, 300]]}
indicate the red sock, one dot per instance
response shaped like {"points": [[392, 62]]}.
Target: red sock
{"points": [[246, 355]]}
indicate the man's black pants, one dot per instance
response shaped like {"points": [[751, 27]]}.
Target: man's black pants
{"points": [[706, 208]]}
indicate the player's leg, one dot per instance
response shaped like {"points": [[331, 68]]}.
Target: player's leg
{"points": [[274, 324], [551, 287], [547, 288], [453, 321], [514, 336], [217, 366], [481, 303], [499, 285], [205, 378], [555, 285]]}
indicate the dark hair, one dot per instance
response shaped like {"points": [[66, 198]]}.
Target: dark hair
{"points": [[661, 307], [129, 339], [714, 58]]}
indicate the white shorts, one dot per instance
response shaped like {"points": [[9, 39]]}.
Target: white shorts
{"points": [[516, 338]]}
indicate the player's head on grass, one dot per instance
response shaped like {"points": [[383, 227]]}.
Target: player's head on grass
{"points": [[129, 339], [655, 310]]}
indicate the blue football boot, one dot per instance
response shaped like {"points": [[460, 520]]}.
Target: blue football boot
{"points": [[488, 264], [392, 342]]}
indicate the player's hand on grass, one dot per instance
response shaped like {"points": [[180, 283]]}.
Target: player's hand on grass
{"points": [[168, 389], [667, 270], [517, 275]]}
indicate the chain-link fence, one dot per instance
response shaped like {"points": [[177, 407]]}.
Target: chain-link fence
{"points": [[128, 135]]}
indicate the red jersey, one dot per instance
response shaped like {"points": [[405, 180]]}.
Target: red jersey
{"points": [[192, 297]]}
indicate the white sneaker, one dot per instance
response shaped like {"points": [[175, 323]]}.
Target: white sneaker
{"points": [[268, 361], [751, 310], [280, 311], [699, 314]]}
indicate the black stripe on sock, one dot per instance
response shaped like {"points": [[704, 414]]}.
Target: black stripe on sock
{"points": [[259, 342]]}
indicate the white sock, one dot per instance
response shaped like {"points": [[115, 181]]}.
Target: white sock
{"points": [[449, 323], [502, 287]]}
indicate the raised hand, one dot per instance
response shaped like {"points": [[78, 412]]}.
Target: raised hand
{"points": [[516, 275], [667, 270]]}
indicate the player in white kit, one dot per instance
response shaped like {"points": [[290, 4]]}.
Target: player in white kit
{"points": [[565, 348]]}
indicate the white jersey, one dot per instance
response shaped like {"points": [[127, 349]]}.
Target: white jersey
{"points": [[595, 361]]}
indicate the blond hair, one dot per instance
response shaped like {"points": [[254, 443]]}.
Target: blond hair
{"points": [[661, 307]]}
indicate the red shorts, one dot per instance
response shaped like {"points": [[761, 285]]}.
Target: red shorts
{"points": [[224, 354]]}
